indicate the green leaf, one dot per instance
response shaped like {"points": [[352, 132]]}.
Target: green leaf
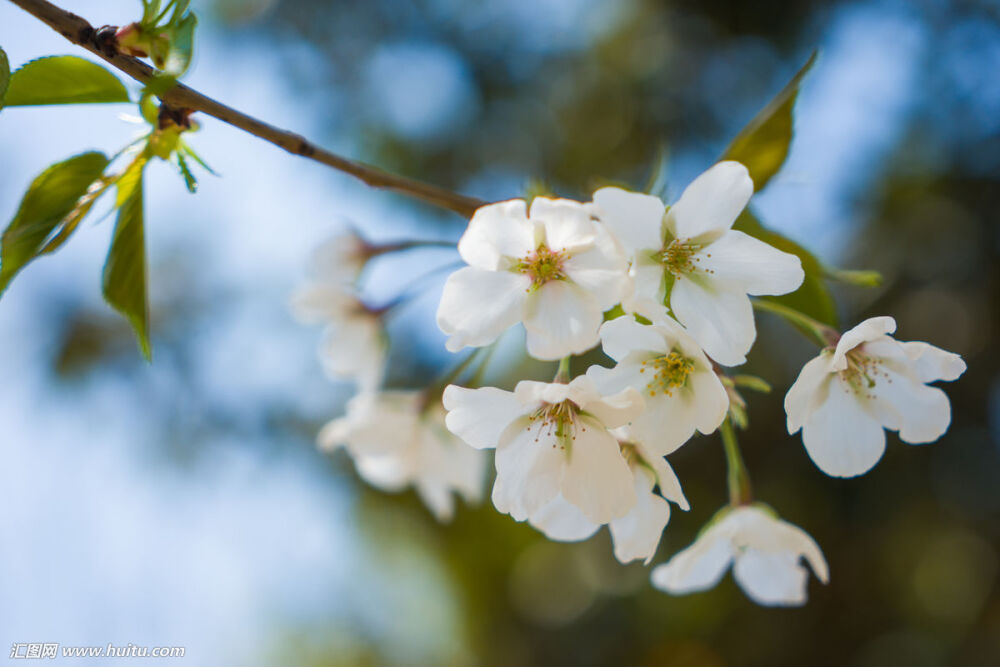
{"points": [[763, 144], [124, 283], [189, 180], [812, 298], [4, 76], [51, 198], [181, 46], [64, 80]]}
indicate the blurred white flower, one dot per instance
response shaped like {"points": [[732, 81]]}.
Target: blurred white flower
{"points": [[681, 390], [556, 272], [551, 440], [397, 441], [354, 343], [687, 257], [340, 260], [845, 397], [635, 535], [765, 552]]}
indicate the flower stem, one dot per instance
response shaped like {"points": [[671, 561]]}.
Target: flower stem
{"points": [[738, 479], [823, 334], [562, 375]]}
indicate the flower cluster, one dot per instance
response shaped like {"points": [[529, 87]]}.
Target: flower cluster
{"points": [[397, 439], [665, 292]]}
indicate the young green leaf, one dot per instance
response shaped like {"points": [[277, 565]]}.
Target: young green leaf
{"points": [[50, 199], [64, 80], [762, 145], [181, 46], [812, 298], [124, 280], [4, 76], [189, 180]]}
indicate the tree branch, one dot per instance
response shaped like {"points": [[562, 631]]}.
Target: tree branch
{"points": [[81, 33]]}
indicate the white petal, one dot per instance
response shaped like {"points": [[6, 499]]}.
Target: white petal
{"points": [[757, 267], [477, 306], [567, 223], [387, 472], [601, 270], [597, 480], [495, 232], [323, 302], [532, 393], [668, 421], [480, 416], [753, 527], [635, 218], [712, 202], [617, 409], [637, 534], [932, 363], [648, 280], [771, 579], [666, 478], [530, 467], [871, 329], [355, 347], [334, 434], [697, 568], [804, 393], [920, 413], [716, 315], [623, 335], [561, 319], [842, 438], [563, 522], [710, 399]]}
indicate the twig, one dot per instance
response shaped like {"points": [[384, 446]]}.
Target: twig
{"points": [[80, 32]]}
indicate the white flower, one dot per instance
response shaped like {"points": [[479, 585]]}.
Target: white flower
{"points": [[635, 535], [689, 255], [340, 259], [763, 549], [681, 390], [551, 439], [354, 344], [397, 441], [845, 397], [556, 272]]}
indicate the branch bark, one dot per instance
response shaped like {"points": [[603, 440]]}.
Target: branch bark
{"points": [[79, 31]]}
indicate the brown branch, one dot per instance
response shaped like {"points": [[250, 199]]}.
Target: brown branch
{"points": [[81, 33]]}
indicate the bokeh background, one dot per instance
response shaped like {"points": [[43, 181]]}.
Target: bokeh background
{"points": [[183, 502]]}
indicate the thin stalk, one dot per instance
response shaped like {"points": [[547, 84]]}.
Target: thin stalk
{"points": [[737, 478], [824, 335]]}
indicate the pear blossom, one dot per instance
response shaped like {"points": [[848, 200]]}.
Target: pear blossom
{"points": [[354, 343], [396, 440], [681, 390], [845, 398], [556, 270], [688, 257], [635, 535], [551, 439], [764, 551]]}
